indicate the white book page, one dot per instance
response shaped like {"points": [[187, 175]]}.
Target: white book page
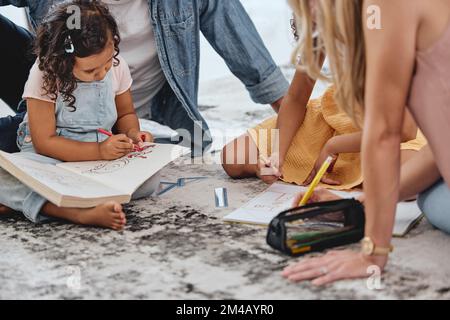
{"points": [[267, 205], [63, 182], [130, 172], [279, 197]]}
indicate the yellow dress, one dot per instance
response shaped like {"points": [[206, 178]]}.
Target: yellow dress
{"points": [[323, 120]]}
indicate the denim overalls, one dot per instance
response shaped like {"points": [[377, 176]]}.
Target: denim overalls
{"points": [[95, 108]]}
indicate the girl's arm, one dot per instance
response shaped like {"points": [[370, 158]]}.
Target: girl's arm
{"points": [[390, 56], [42, 123], [351, 143], [127, 120], [292, 111]]}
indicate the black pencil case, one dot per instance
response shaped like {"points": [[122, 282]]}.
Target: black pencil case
{"points": [[317, 227]]}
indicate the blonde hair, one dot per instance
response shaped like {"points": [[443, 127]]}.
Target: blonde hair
{"points": [[334, 28]]}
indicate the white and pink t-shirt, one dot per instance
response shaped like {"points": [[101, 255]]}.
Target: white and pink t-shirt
{"points": [[121, 81]]}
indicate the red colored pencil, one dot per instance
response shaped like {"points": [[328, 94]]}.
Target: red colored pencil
{"points": [[106, 133]]}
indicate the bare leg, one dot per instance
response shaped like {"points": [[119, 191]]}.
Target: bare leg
{"points": [[406, 155], [108, 215], [236, 158], [5, 210]]}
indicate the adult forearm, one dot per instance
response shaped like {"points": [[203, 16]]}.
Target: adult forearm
{"points": [[381, 169]]}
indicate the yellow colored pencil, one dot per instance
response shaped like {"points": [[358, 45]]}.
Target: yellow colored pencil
{"points": [[316, 181]]}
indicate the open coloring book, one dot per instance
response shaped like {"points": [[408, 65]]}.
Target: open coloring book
{"points": [[88, 184], [279, 197]]}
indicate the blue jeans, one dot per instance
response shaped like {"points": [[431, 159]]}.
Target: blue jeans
{"points": [[16, 59], [8, 132], [15, 63], [435, 204]]}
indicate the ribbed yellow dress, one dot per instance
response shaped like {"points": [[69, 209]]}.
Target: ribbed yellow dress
{"points": [[323, 120]]}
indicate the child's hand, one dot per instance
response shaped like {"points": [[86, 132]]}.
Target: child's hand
{"points": [[319, 195], [269, 170], [115, 147], [139, 137], [327, 151]]}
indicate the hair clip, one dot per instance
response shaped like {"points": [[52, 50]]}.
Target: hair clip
{"points": [[69, 47]]}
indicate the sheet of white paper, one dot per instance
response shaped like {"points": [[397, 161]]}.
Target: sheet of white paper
{"points": [[127, 174], [64, 182], [279, 197]]}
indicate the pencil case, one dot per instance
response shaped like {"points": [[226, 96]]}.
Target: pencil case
{"points": [[317, 227]]}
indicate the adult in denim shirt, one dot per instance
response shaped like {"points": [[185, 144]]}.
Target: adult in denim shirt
{"points": [[177, 25]]}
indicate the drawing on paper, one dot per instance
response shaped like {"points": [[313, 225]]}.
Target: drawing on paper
{"points": [[116, 165], [272, 202]]}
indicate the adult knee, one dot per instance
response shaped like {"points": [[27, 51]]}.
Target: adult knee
{"points": [[435, 204]]}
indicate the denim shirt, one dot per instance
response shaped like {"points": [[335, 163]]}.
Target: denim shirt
{"points": [[176, 23]]}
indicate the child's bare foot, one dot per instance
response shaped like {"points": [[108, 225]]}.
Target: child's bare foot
{"points": [[5, 210], [108, 215]]}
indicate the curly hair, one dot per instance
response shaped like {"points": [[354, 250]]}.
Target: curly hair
{"points": [[54, 36]]}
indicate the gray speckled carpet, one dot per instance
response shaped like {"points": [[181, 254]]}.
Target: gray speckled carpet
{"points": [[177, 247]]}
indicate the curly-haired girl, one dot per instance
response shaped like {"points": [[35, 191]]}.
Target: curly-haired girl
{"points": [[78, 84]]}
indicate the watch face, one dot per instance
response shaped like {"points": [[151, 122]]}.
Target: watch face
{"points": [[367, 246]]}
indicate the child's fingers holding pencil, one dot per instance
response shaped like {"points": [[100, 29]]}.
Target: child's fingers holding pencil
{"points": [[297, 199], [124, 147], [314, 198], [115, 147], [319, 195], [146, 137], [122, 142]]}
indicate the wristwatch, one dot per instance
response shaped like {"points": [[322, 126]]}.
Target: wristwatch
{"points": [[368, 248]]}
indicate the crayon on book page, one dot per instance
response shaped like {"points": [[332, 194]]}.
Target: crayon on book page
{"points": [[130, 172]]}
